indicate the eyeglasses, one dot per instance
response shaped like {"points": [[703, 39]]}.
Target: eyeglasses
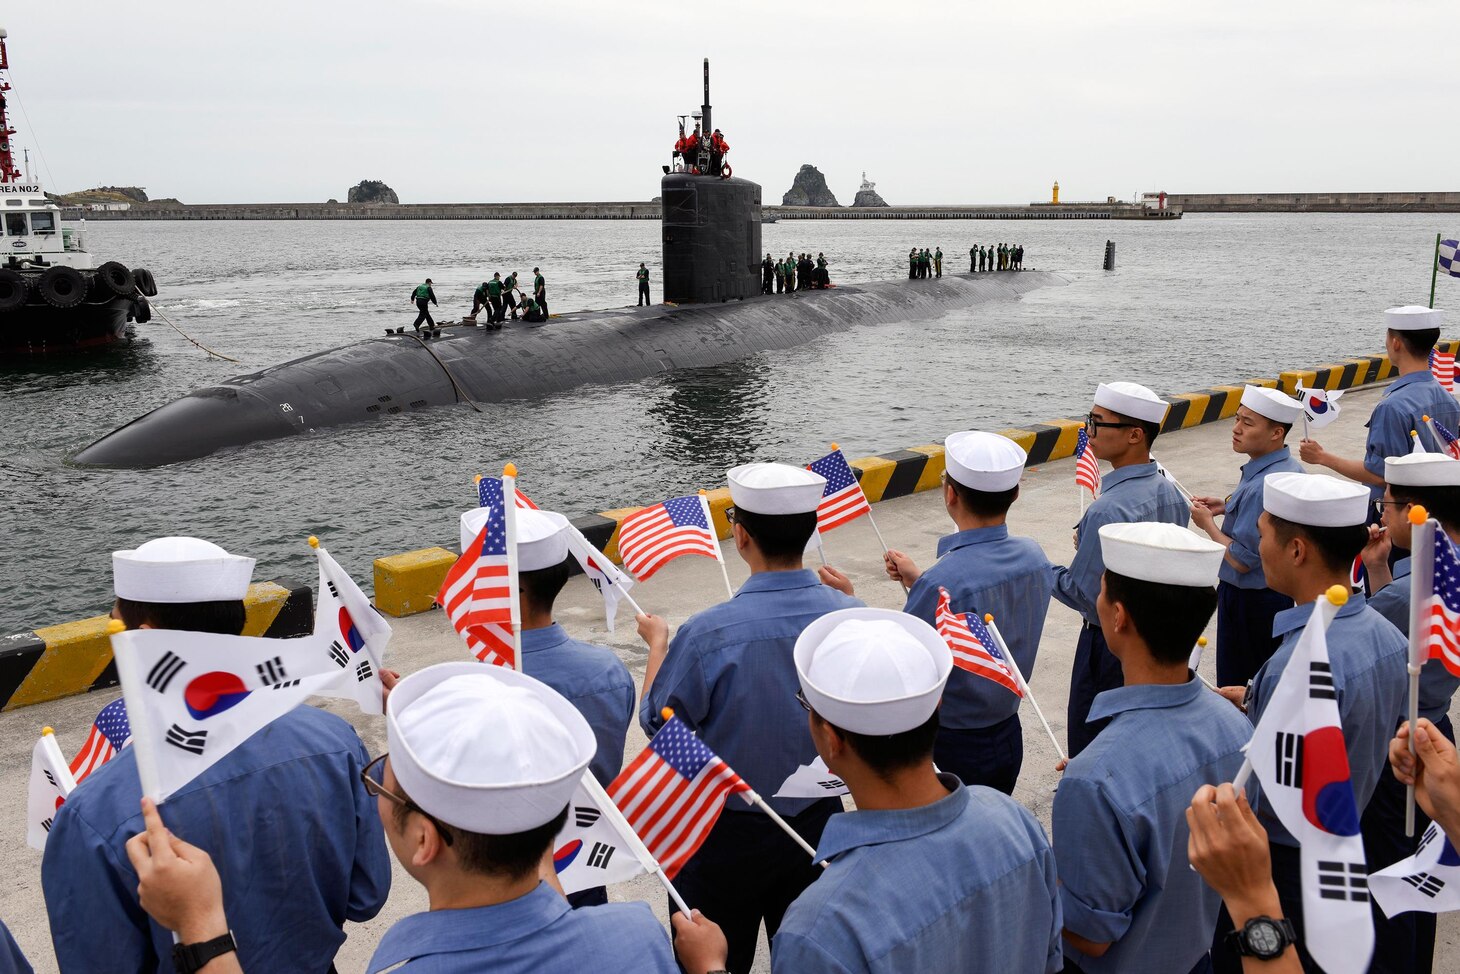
{"points": [[801, 699], [373, 777], [1095, 424], [730, 515], [1380, 505]]}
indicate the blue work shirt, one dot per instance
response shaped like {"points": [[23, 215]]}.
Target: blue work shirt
{"points": [[730, 676], [294, 835], [965, 884], [986, 572], [12, 961], [534, 934], [1244, 507], [1120, 829], [1368, 657], [593, 680], [1128, 495], [1402, 408], [1437, 685]]}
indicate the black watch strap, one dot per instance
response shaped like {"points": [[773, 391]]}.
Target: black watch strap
{"points": [[1264, 937], [188, 958]]}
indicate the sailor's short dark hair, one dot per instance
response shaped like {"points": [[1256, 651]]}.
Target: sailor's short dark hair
{"points": [[226, 617], [1168, 618]]}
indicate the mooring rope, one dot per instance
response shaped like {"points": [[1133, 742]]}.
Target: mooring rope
{"points": [[190, 338]]}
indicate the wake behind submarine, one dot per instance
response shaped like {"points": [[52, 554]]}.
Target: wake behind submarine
{"points": [[711, 225]]}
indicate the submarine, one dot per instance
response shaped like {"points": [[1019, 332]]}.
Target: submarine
{"points": [[714, 313]]}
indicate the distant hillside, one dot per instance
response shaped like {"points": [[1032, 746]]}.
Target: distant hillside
{"points": [[135, 195]]}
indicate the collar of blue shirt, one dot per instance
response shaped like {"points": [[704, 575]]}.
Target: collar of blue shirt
{"points": [[544, 638], [962, 539], [852, 830], [1400, 569], [1133, 472], [1409, 380], [1254, 467], [448, 931], [779, 581], [1297, 617], [1144, 696]]}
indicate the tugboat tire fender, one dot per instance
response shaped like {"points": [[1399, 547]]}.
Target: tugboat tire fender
{"points": [[13, 289], [113, 280], [146, 283], [62, 287], [141, 310]]}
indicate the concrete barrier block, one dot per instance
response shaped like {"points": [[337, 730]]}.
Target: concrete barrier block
{"points": [[76, 655], [1188, 409], [907, 471], [719, 501], [616, 515], [1025, 439], [407, 583], [18, 656], [279, 610], [1289, 381], [933, 470]]}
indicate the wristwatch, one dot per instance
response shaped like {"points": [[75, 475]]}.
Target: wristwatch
{"points": [[1264, 938], [188, 958]]}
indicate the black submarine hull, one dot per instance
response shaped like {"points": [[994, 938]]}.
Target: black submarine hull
{"points": [[379, 377]]}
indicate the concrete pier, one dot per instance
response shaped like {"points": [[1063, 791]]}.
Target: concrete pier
{"points": [[1047, 510]]}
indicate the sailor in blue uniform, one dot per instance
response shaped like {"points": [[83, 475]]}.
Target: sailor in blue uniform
{"points": [[929, 874], [1131, 902], [986, 572], [729, 675], [1412, 333], [284, 815], [1432, 480], [1245, 605], [483, 762], [1122, 424], [1312, 528]]}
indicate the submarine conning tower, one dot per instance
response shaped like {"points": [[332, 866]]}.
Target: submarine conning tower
{"points": [[711, 227]]}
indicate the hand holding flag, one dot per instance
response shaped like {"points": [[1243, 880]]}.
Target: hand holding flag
{"points": [[1320, 406]]}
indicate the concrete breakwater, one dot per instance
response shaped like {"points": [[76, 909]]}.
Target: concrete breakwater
{"points": [[611, 211], [1316, 202]]}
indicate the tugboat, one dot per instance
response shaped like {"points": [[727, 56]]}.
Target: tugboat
{"points": [[53, 297]]}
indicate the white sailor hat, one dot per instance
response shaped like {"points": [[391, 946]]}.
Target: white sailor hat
{"points": [[1272, 404], [1413, 317], [775, 488], [1164, 553], [542, 536], [1315, 500], [472, 522], [1131, 399], [485, 748], [180, 570], [1422, 470], [872, 671], [984, 461]]}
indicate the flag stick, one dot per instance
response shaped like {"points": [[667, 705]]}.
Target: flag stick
{"points": [[1024, 684], [1325, 609], [760, 803], [509, 501], [1305, 422], [1434, 273], [873, 521], [715, 537], [631, 838], [1421, 589]]}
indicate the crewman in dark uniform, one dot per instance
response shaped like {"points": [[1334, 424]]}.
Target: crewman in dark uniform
{"points": [[424, 298], [642, 274], [938, 262], [509, 293], [494, 297], [539, 291], [912, 264], [972, 259], [767, 274], [780, 269], [478, 300], [532, 312]]}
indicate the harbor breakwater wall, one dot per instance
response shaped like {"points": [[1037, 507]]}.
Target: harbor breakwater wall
{"points": [[75, 657], [1316, 202]]}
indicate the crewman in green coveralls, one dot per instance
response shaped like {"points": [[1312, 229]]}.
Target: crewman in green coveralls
{"points": [[912, 264], [509, 289], [424, 298], [539, 292], [938, 262], [494, 297], [642, 275]]}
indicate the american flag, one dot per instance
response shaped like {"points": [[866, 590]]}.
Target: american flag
{"points": [[974, 649], [842, 499], [1442, 367], [109, 734], [673, 792], [491, 487], [477, 593], [653, 537], [1447, 440], [1444, 606], [1087, 468]]}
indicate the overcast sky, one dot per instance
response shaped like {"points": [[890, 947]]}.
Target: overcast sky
{"points": [[467, 101]]}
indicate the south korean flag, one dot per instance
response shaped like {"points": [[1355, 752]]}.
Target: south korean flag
{"points": [[51, 784], [1427, 882], [192, 697], [812, 780], [591, 850], [1298, 754], [355, 633]]}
